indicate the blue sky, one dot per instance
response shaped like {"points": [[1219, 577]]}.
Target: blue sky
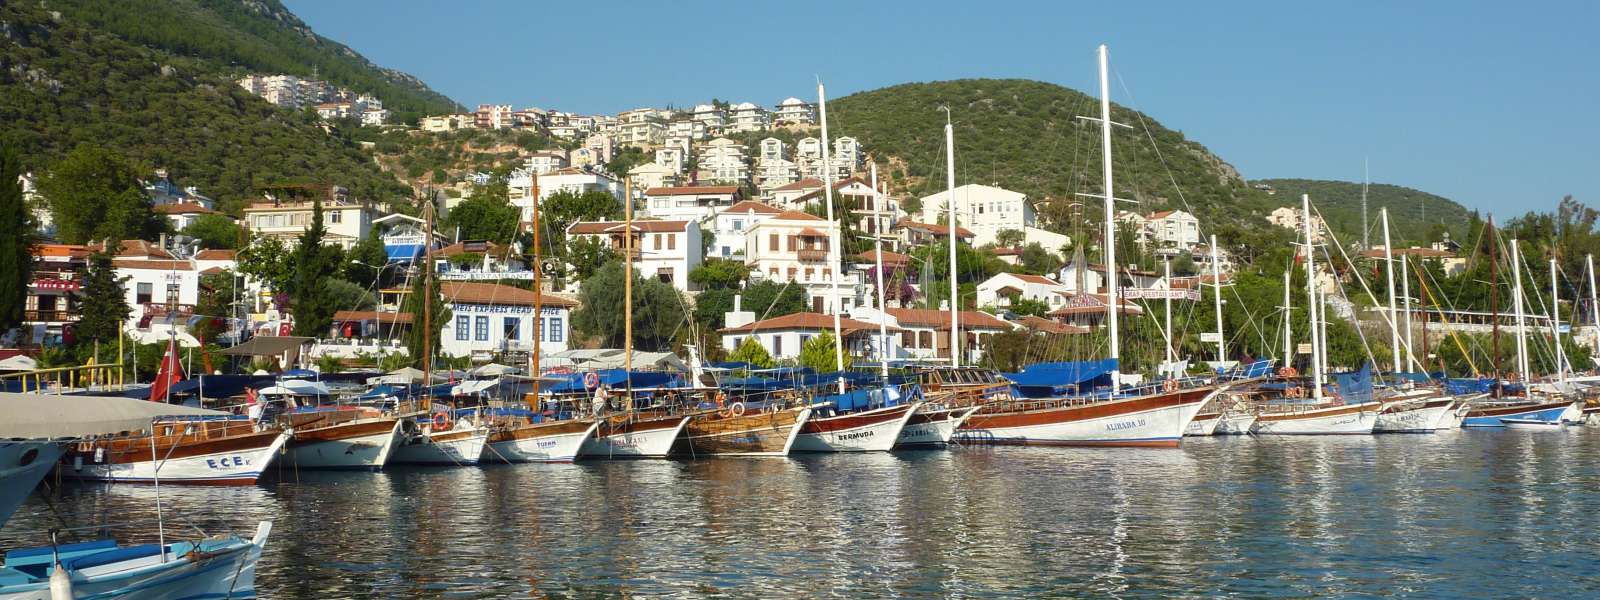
{"points": [[1495, 105]]}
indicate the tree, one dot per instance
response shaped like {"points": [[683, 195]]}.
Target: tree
{"points": [[769, 299], [658, 310], [104, 305], [215, 231], [314, 263], [94, 194], [346, 295], [586, 255], [16, 247], [439, 315], [719, 273], [215, 304], [487, 215], [752, 352], [818, 353], [566, 207], [366, 262], [1039, 261], [1010, 238], [267, 260]]}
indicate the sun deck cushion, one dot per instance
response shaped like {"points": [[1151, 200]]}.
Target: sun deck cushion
{"points": [[113, 556]]}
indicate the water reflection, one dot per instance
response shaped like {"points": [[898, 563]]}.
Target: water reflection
{"points": [[1439, 515]]}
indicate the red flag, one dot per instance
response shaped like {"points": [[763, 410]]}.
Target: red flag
{"points": [[171, 372]]}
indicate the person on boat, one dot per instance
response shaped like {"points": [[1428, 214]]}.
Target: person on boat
{"points": [[600, 400]]}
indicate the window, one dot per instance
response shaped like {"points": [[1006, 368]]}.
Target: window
{"points": [[511, 329], [335, 215], [791, 243], [907, 340], [463, 327], [672, 241], [810, 273], [777, 344], [172, 293], [773, 245], [924, 339], [556, 334], [738, 224], [144, 293], [480, 329], [664, 274], [658, 240]]}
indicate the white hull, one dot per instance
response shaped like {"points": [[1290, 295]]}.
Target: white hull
{"points": [[1235, 423], [563, 447], [656, 443], [1323, 421], [880, 436], [1532, 424], [1416, 419], [461, 446], [1574, 414], [936, 431], [22, 466], [365, 452], [228, 572], [236, 466], [1203, 425], [1161, 426]]}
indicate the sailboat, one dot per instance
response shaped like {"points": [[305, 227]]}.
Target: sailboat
{"points": [[440, 439], [1532, 405], [1419, 409], [1152, 416], [556, 433]]}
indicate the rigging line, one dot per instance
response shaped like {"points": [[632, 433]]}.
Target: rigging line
{"points": [[1423, 277], [1356, 272], [1250, 318]]}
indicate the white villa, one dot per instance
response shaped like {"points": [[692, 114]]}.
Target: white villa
{"points": [[733, 222], [792, 247], [693, 203], [490, 318], [665, 250], [794, 111]]}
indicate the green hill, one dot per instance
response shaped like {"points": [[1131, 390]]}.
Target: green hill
{"points": [[1416, 216], [68, 81]]}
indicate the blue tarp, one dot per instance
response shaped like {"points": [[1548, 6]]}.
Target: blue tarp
{"points": [[1043, 380], [403, 252], [732, 365], [1355, 387], [1468, 386], [572, 383]]}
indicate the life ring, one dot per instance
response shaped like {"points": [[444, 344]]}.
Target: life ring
{"points": [[591, 380], [1288, 373], [721, 399], [737, 409], [441, 422], [1296, 392], [1170, 385]]}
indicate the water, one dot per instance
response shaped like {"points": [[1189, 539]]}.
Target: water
{"points": [[1460, 514]]}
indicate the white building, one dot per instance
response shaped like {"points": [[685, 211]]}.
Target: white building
{"points": [[925, 333], [713, 117], [578, 181], [1289, 218], [733, 222], [793, 247], [157, 285], [723, 160], [1000, 290], [774, 173], [182, 215], [846, 156], [686, 129], [545, 162], [346, 221], [489, 318], [652, 175], [748, 116], [665, 250], [986, 210], [1173, 229], [794, 111], [673, 157], [773, 149], [693, 203], [784, 336]]}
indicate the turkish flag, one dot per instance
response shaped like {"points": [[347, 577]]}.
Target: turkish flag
{"points": [[170, 372]]}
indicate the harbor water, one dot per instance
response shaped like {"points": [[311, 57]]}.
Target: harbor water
{"points": [[1454, 515]]}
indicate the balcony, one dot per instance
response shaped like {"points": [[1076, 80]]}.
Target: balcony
{"points": [[49, 316], [158, 310], [812, 255]]}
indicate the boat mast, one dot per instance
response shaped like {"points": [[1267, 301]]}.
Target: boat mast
{"points": [[1555, 324], [1216, 288], [833, 239], [1111, 223], [1388, 265], [1166, 266], [1288, 320], [427, 309], [1594, 300], [877, 259], [1494, 297], [1516, 303], [538, 294], [627, 287], [950, 207], [1311, 298], [1405, 296], [1322, 321]]}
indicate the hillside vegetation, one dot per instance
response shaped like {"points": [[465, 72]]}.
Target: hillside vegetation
{"points": [[66, 82], [1416, 217]]}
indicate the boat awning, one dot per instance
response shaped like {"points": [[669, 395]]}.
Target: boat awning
{"points": [[267, 345], [1059, 378], [403, 252], [47, 416]]}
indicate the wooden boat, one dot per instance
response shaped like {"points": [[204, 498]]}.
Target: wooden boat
{"points": [[1236, 421], [643, 434], [1295, 418], [1494, 413], [542, 441], [342, 439], [441, 442], [1420, 411], [862, 431], [183, 452], [1145, 420], [758, 432], [933, 425], [1206, 421]]}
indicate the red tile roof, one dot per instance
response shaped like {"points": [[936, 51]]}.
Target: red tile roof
{"points": [[805, 320], [602, 227], [155, 265], [1039, 279], [752, 206], [803, 184], [940, 319], [795, 215], [471, 292], [1052, 327], [134, 248], [215, 254], [889, 258], [182, 208], [933, 228], [700, 190], [368, 315], [459, 248]]}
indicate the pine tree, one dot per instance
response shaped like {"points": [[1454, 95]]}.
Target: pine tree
{"points": [[818, 354], [16, 248], [105, 303], [413, 306], [313, 264]]}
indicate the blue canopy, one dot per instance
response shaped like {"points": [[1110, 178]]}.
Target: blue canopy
{"points": [[572, 383], [403, 252], [1461, 386], [1043, 380], [1355, 387]]}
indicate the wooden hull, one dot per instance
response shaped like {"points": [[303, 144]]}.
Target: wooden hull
{"points": [[234, 459], [1491, 415], [461, 446], [867, 431], [1343, 419], [1426, 416], [1156, 420], [755, 434], [555, 441], [651, 436], [357, 444], [933, 426]]}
